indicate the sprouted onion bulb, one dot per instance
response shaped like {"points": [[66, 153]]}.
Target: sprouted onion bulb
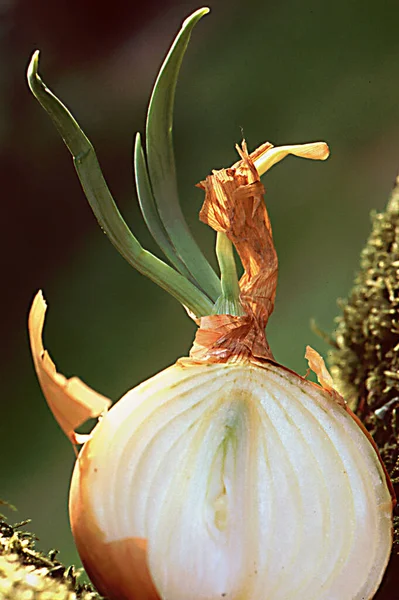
{"points": [[226, 475]]}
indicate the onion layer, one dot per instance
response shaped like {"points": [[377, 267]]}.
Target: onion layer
{"points": [[231, 480]]}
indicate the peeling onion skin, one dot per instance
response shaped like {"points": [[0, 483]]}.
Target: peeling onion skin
{"points": [[118, 569], [237, 480]]}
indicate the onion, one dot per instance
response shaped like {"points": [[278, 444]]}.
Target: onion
{"points": [[226, 475], [234, 479], [246, 481]]}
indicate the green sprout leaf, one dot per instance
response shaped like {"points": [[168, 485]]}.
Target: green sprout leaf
{"points": [[162, 169], [228, 302], [103, 204], [150, 212]]}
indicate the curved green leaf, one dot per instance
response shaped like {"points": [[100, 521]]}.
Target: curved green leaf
{"points": [[150, 212], [161, 163], [103, 204]]}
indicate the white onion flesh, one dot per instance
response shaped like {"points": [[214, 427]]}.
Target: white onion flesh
{"points": [[247, 482]]}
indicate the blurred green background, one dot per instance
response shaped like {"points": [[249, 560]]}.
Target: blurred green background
{"points": [[287, 72]]}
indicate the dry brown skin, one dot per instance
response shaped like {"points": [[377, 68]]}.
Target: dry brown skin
{"points": [[102, 560], [71, 401], [234, 205]]}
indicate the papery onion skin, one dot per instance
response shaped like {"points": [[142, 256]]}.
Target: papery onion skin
{"points": [[244, 480], [118, 569]]}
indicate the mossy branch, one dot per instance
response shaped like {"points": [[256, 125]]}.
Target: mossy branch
{"points": [[365, 358], [365, 363], [27, 573]]}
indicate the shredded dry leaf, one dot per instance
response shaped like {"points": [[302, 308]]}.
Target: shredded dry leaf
{"points": [[234, 204], [272, 155], [318, 366], [71, 401]]}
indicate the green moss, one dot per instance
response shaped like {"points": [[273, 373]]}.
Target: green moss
{"points": [[27, 574]]}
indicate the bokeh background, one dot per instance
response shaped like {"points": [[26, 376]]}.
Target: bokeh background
{"points": [[288, 71]]}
